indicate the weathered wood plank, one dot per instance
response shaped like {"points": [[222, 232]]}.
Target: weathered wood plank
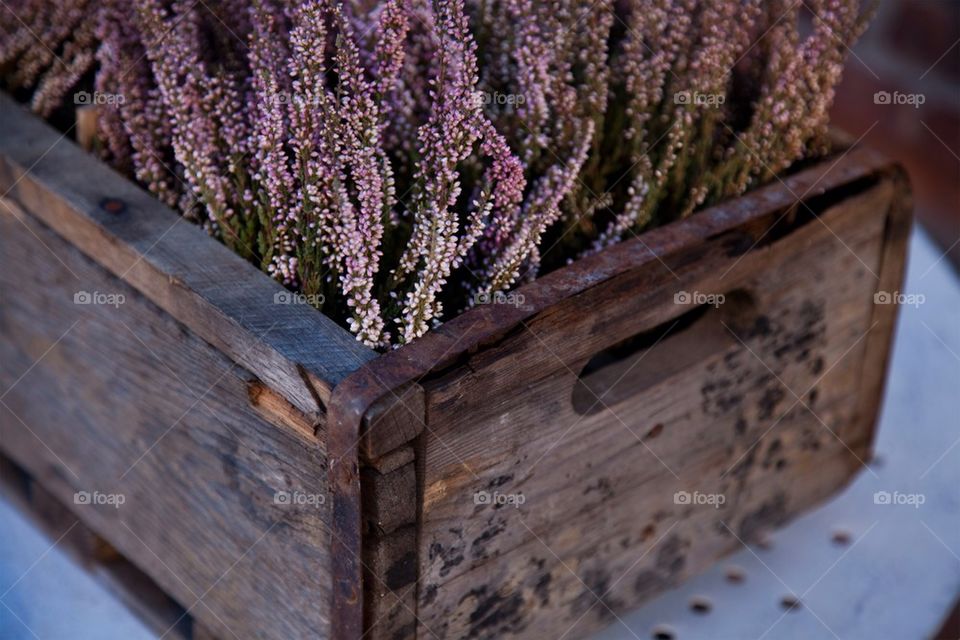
{"points": [[891, 274], [228, 512], [599, 528], [222, 298]]}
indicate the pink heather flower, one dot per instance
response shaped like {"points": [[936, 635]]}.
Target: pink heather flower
{"points": [[540, 211], [392, 30], [447, 139], [133, 125], [288, 129], [369, 169], [273, 178], [173, 50]]}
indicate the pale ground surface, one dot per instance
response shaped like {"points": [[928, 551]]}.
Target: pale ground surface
{"points": [[897, 576]]}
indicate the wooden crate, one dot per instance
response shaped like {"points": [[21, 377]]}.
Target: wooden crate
{"points": [[534, 467]]}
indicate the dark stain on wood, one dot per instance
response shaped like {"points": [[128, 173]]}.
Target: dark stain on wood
{"points": [[596, 597], [429, 594], [740, 426], [647, 583], [648, 532], [495, 526], [601, 486], [494, 614], [743, 466], [771, 513], [499, 481], [668, 568], [450, 556], [672, 557], [771, 398], [773, 451], [542, 588], [817, 366], [402, 572], [408, 630]]}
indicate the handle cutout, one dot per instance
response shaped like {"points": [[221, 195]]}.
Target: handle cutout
{"points": [[646, 359]]}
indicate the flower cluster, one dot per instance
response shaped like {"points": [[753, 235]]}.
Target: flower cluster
{"points": [[399, 159]]}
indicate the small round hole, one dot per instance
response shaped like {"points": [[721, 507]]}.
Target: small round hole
{"points": [[790, 602], [647, 533], [735, 574], [654, 432], [663, 633], [841, 537], [700, 605]]}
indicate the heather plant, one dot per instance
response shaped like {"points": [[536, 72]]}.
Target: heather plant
{"points": [[400, 160]]}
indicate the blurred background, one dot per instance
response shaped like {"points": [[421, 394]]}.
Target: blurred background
{"points": [[911, 54], [913, 49]]}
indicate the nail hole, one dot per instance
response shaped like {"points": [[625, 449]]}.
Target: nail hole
{"points": [[112, 205], [654, 432], [736, 575], [700, 605], [663, 633], [877, 461], [841, 537], [790, 602]]}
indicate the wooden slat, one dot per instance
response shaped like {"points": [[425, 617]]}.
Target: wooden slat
{"points": [[891, 272], [126, 400], [114, 572], [222, 298], [599, 529], [481, 330]]}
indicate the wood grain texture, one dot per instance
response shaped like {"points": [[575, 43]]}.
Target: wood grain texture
{"points": [[222, 298], [891, 273], [757, 421], [124, 400]]}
